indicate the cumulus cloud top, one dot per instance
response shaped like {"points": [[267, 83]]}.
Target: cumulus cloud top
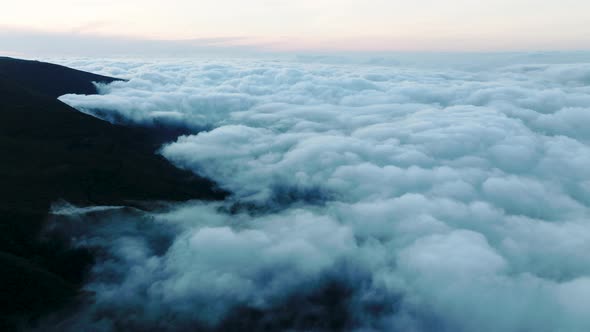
{"points": [[437, 200]]}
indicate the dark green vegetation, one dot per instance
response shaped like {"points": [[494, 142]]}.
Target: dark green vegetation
{"points": [[49, 152]]}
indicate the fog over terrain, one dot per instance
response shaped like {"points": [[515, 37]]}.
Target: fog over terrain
{"points": [[367, 196]]}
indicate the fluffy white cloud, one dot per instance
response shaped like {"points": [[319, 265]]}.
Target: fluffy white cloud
{"points": [[437, 200]]}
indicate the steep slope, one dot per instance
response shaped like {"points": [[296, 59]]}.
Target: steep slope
{"points": [[52, 152]]}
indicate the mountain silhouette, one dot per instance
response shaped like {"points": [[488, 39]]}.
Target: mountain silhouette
{"points": [[52, 152]]}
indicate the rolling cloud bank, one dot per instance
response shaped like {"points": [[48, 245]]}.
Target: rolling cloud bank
{"points": [[365, 197]]}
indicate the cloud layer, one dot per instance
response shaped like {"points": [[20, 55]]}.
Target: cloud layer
{"points": [[386, 197]]}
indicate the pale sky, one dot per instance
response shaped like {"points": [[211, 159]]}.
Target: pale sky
{"points": [[310, 25]]}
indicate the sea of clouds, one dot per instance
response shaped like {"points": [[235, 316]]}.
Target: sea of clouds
{"points": [[365, 197]]}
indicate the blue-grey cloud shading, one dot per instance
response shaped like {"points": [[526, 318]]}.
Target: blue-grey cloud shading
{"points": [[441, 199]]}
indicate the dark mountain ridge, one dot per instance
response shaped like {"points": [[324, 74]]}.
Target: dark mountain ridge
{"points": [[52, 152], [50, 79]]}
